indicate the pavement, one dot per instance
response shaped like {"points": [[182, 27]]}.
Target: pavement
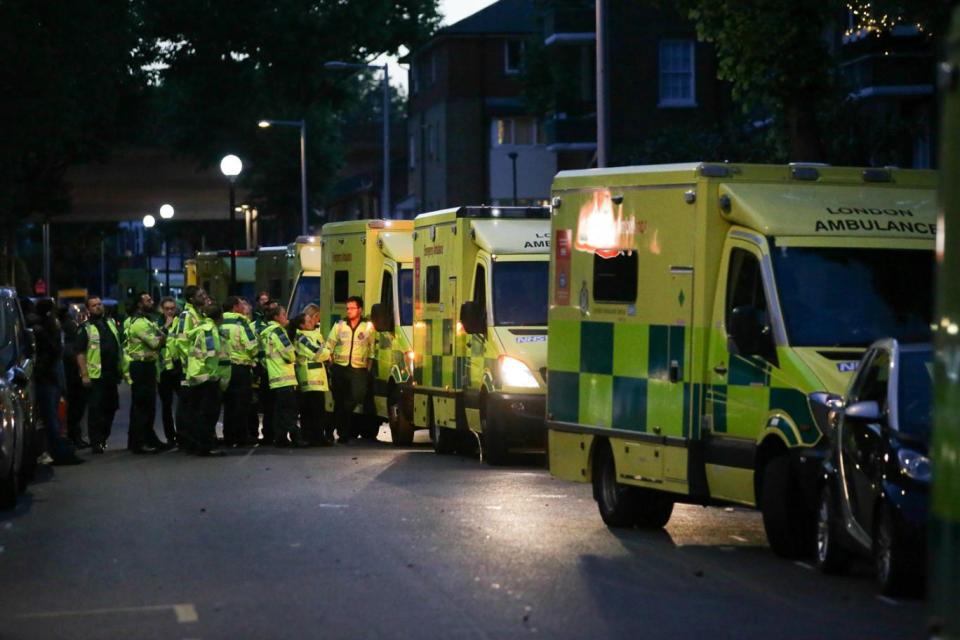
{"points": [[375, 541]]}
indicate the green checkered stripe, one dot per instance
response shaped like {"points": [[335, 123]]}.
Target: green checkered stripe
{"points": [[616, 375], [437, 364], [391, 348]]}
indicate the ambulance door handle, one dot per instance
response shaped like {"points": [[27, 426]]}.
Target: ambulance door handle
{"points": [[720, 369], [674, 371]]}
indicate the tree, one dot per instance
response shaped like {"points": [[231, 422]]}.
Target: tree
{"points": [[234, 62]]}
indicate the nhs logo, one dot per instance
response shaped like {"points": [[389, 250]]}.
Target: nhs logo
{"points": [[848, 367]]}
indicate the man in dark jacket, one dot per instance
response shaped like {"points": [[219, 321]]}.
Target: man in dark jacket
{"points": [[71, 317]]}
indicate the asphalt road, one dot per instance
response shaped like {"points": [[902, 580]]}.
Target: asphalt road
{"points": [[371, 541]]}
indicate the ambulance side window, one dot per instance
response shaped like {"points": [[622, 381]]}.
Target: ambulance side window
{"points": [[480, 286], [615, 279], [433, 284], [341, 286], [746, 308]]}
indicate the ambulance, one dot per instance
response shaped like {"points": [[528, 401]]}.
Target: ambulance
{"points": [[373, 259], [479, 328], [701, 316], [214, 273], [307, 265], [274, 272]]}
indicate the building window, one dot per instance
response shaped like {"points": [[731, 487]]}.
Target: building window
{"points": [[514, 131], [677, 77], [512, 56]]}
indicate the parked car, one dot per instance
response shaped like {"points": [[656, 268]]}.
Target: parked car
{"points": [[877, 474], [19, 440]]}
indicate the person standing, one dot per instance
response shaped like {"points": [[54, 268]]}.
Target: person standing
{"points": [[262, 380], [351, 342], [101, 369], [71, 317], [169, 367], [312, 353], [187, 321], [202, 379], [48, 376], [242, 347], [143, 342], [280, 357]]}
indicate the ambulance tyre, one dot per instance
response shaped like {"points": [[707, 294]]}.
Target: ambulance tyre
{"points": [[791, 531], [617, 502], [444, 440], [494, 444], [401, 428]]}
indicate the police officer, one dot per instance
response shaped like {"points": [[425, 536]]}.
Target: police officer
{"points": [[264, 397], [187, 321], [279, 358], [171, 370], [312, 353], [242, 347], [202, 380], [351, 341], [143, 341], [101, 369]]}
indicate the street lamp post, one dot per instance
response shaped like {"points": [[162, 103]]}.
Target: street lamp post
{"points": [[385, 194], [231, 166], [302, 124], [513, 159], [148, 223], [166, 213]]}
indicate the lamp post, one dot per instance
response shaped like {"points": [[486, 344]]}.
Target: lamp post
{"points": [[385, 194], [148, 223], [302, 124], [166, 213], [513, 159], [231, 166]]}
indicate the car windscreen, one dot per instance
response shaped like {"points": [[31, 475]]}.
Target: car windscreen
{"points": [[406, 297], [915, 393], [843, 297], [520, 293], [308, 291]]}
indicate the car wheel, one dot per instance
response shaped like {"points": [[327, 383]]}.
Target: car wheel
{"points": [[493, 443], [401, 428], [9, 482], [617, 502], [789, 527], [831, 558], [897, 568]]}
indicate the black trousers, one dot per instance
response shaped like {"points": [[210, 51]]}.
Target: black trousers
{"points": [[168, 389], [284, 414], [349, 392], [238, 405], [312, 415], [205, 398], [143, 404], [102, 403]]}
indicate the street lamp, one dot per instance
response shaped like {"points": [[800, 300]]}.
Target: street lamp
{"points": [[385, 194], [231, 166], [149, 222], [302, 124], [166, 213]]}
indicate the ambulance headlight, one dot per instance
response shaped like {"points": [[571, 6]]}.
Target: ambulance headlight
{"points": [[514, 373]]}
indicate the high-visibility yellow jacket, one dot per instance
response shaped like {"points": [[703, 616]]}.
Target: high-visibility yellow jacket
{"points": [[351, 346], [142, 339], [188, 320], [204, 354], [312, 352], [242, 344], [279, 356], [94, 360]]}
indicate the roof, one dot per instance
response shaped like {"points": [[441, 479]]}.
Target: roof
{"points": [[505, 16]]}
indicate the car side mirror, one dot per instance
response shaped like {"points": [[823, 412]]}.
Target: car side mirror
{"points": [[473, 317], [382, 317], [865, 411]]}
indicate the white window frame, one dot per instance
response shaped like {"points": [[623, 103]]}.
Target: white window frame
{"points": [[690, 101], [507, 69]]}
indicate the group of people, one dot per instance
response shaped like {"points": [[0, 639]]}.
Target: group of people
{"points": [[248, 361]]}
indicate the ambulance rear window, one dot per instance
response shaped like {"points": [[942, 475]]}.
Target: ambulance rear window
{"points": [[615, 279]]}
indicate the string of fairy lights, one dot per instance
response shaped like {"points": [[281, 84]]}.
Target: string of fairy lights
{"points": [[865, 21]]}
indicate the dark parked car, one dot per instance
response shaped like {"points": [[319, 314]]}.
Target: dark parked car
{"points": [[19, 440], [877, 473]]}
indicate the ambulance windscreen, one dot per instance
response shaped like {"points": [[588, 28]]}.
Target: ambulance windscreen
{"points": [[406, 297], [843, 297], [520, 293], [308, 292]]}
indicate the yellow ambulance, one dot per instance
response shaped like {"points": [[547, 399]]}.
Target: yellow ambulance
{"points": [[214, 272], [479, 336], [702, 314], [274, 271], [373, 259]]}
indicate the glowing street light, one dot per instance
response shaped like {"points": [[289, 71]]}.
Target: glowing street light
{"points": [[166, 211], [231, 166], [149, 221]]}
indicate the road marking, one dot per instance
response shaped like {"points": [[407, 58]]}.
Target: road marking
{"points": [[495, 507], [890, 601], [185, 613], [326, 505], [555, 496], [739, 538], [803, 565]]}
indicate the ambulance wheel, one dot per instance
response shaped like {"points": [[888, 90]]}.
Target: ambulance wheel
{"points": [[444, 440], [617, 502], [493, 443], [791, 531], [654, 509], [401, 428]]}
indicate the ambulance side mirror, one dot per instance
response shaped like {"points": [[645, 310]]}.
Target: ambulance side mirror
{"points": [[382, 317], [473, 317], [745, 331]]}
